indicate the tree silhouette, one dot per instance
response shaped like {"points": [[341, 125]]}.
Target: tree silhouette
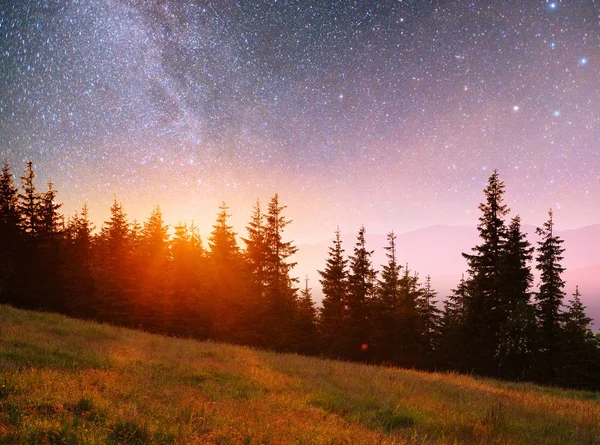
{"points": [[112, 263], [226, 281], [484, 311], [153, 262], [333, 313], [189, 283], [430, 319], [361, 286], [79, 289], [517, 331], [307, 341], [50, 221], [280, 293], [9, 227], [549, 299], [29, 202], [386, 312], [582, 354], [451, 352]]}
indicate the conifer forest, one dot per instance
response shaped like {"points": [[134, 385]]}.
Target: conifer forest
{"points": [[242, 289]]}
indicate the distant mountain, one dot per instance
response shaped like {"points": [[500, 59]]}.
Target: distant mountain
{"points": [[436, 251]]}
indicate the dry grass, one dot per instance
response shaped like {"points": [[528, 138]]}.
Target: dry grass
{"points": [[65, 381]]}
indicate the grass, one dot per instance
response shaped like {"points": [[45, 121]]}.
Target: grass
{"points": [[66, 381]]}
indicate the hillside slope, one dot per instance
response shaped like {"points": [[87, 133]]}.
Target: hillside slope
{"points": [[67, 381]]}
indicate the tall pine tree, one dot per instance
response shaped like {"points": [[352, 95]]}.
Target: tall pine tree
{"points": [[112, 268], [516, 336], [333, 313], [430, 320], [386, 323], [361, 286], [280, 293], [306, 341], [153, 263], [9, 227], [549, 300], [29, 203], [452, 342], [581, 363], [484, 311], [226, 280]]}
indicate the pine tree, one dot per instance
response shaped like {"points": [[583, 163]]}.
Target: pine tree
{"points": [[407, 350], [307, 337], [226, 282], [112, 268], [256, 250], [29, 203], [280, 292], [549, 300], [517, 331], [153, 261], [451, 352], [9, 227], [50, 221], [39, 254], [582, 353], [9, 201], [79, 291], [484, 311], [361, 286], [222, 243], [82, 230], [430, 319], [116, 236], [332, 315], [386, 326], [189, 278]]}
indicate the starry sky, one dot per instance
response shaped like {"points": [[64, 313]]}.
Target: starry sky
{"points": [[391, 114]]}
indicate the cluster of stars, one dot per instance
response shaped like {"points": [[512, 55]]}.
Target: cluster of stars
{"points": [[351, 110]]}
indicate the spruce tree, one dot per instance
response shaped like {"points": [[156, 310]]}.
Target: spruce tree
{"points": [[9, 227], [386, 325], [9, 201], [112, 263], [484, 311], [516, 336], [222, 243], [29, 203], [410, 323], [430, 320], [226, 281], [50, 221], [79, 292], [361, 286], [153, 306], [581, 364], [306, 341], [549, 300], [189, 278], [280, 293], [451, 352], [256, 250], [333, 313]]}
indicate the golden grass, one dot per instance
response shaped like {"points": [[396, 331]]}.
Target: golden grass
{"points": [[65, 381]]}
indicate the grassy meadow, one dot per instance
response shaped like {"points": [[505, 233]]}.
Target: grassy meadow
{"points": [[65, 381]]}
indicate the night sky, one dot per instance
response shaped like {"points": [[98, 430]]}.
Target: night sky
{"points": [[391, 114]]}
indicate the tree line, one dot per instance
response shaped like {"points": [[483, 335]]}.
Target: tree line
{"points": [[141, 276]]}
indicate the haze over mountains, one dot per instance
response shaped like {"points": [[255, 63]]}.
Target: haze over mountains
{"points": [[436, 251]]}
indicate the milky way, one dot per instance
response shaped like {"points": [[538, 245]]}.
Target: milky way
{"points": [[390, 113]]}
